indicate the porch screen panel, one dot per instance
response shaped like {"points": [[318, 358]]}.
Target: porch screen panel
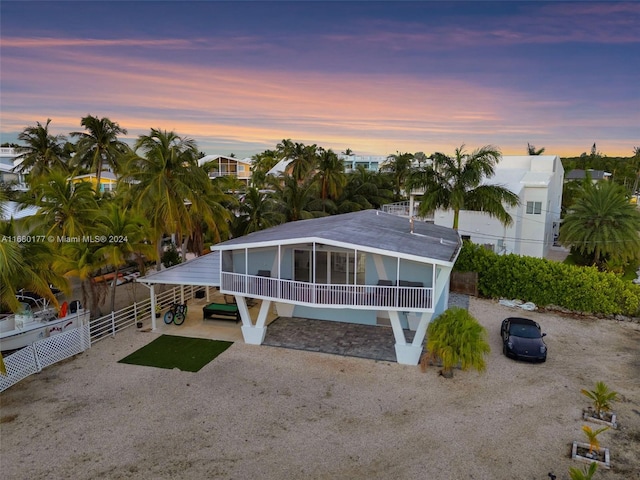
{"points": [[321, 267], [302, 265], [239, 261]]}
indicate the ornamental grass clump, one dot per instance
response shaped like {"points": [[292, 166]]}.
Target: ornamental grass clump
{"points": [[455, 338]]}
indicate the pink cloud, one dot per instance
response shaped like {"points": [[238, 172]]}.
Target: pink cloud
{"points": [[368, 113]]}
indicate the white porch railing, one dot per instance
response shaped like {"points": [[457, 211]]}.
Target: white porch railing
{"points": [[403, 209], [370, 297]]}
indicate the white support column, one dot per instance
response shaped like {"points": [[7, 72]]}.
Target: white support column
{"points": [[421, 331], [405, 354], [441, 286], [152, 294], [152, 305], [253, 334], [182, 294]]}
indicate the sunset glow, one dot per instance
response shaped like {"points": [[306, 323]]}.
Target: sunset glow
{"points": [[374, 77]]}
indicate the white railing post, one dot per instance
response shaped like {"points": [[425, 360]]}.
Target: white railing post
{"points": [[113, 324]]}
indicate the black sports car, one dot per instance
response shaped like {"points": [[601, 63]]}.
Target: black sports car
{"points": [[522, 339]]}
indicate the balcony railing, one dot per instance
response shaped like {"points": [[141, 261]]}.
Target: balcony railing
{"points": [[371, 297]]}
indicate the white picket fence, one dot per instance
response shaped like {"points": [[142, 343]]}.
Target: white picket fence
{"points": [[42, 353]]}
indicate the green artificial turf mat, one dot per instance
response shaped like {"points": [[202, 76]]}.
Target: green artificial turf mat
{"points": [[184, 353]]}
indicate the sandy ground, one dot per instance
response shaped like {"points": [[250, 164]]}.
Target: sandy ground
{"points": [[269, 413]]}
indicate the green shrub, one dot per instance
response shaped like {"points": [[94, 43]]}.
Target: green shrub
{"points": [[456, 338], [543, 282]]}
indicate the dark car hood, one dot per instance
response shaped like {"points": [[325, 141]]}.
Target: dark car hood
{"points": [[526, 345]]}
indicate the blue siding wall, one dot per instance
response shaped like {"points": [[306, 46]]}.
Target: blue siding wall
{"points": [[441, 306], [238, 261], [409, 271], [416, 272], [348, 315], [262, 259]]}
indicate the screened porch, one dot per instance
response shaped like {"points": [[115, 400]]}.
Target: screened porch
{"points": [[329, 276]]}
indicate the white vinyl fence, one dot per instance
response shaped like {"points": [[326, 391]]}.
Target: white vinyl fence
{"points": [[42, 353]]}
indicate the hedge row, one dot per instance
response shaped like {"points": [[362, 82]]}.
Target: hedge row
{"points": [[544, 282]]}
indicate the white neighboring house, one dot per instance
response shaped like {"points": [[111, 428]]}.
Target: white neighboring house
{"points": [[371, 163], [229, 167], [537, 180], [8, 163]]}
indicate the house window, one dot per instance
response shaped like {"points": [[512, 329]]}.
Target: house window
{"points": [[240, 168], [534, 208]]}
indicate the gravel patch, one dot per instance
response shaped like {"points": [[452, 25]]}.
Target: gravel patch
{"points": [[272, 413]]}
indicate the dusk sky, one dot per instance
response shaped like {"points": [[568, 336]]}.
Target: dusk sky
{"points": [[375, 77]]}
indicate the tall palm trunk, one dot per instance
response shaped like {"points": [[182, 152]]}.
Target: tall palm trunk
{"points": [[456, 218], [113, 289]]}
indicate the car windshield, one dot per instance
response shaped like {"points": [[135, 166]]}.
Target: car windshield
{"points": [[524, 331]]}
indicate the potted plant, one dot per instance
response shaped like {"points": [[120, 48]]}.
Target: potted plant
{"points": [[456, 339], [591, 451], [138, 323], [158, 310], [602, 398]]}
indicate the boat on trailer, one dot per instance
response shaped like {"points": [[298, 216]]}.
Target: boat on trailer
{"points": [[28, 326]]}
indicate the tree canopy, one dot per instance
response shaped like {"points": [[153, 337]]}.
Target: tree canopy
{"points": [[456, 183]]}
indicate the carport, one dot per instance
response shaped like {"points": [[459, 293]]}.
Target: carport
{"points": [[203, 271]]}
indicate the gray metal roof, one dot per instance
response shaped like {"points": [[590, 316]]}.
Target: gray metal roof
{"points": [[202, 271], [371, 230]]}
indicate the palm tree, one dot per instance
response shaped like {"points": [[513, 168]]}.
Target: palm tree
{"points": [[83, 261], [257, 211], [399, 166], [100, 147], [65, 208], [260, 165], [602, 225], [364, 189], [330, 175], [212, 212], [455, 183], [531, 150], [592, 437], [127, 230], [602, 398], [586, 473], [27, 265], [296, 200], [43, 151], [303, 158], [167, 184], [456, 338], [4, 198]]}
